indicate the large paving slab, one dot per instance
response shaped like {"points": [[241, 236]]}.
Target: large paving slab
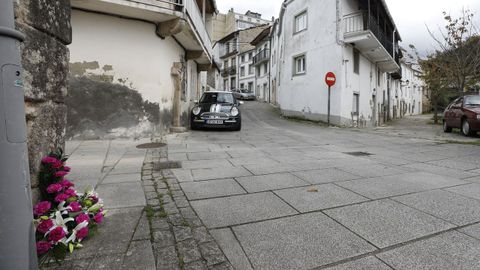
{"points": [[206, 164], [270, 182], [373, 170], [300, 242], [394, 185], [259, 169], [211, 189], [232, 249], [446, 205], [325, 176], [219, 173], [472, 190], [440, 170], [113, 235], [473, 231], [122, 178], [183, 175], [386, 223], [447, 251], [122, 195], [222, 212], [368, 263], [326, 196], [207, 155]]}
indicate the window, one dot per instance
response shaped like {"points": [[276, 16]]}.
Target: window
{"points": [[243, 58], [379, 77], [356, 61], [250, 56], [242, 86], [250, 86], [232, 61], [356, 103], [300, 65], [242, 72], [225, 64], [250, 69], [265, 68], [300, 22]]}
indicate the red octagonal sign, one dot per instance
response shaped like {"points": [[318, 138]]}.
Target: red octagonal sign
{"points": [[330, 79]]}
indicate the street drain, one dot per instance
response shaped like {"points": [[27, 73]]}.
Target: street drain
{"points": [[358, 154], [151, 145], [158, 166]]}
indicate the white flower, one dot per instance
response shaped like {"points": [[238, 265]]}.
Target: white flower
{"points": [[73, 237]]}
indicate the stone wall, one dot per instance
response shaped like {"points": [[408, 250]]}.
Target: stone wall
{"points": [[45, 58]]}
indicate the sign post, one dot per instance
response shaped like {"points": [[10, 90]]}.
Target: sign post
{"points": [[330, 80]]}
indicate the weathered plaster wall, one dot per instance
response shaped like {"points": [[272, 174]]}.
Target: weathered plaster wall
{"points": [[129, 52], [46, 25]]}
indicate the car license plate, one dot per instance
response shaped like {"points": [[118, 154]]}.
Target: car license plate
{"points": [[215, 122]]}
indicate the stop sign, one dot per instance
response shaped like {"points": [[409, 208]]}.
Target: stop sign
{"points": [[330, 79]]}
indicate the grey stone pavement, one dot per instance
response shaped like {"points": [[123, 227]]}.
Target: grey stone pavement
{"points": [[283, 195]]}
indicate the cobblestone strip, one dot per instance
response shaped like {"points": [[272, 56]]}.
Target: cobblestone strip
{"points": [[179, 239]]}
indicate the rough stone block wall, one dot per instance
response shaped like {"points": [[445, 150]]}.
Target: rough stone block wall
{"points": [[45, 57]]}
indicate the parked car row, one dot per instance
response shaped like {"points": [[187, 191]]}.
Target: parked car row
{"points": [[463, 113]]}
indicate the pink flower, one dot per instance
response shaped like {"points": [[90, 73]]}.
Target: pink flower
{"points": [[41, 208], [49, 160], [70, 192], [82, 233], [54, 188], [98, 218], [61, 197], [76, 207], [61, 173], [56, 234], [66, 184], [45, 226], [43, 247], [66, 168], [57, 164], [94, 199], [81, 218]]}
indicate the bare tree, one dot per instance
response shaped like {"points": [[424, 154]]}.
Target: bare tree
{"points": [[459, 52]]}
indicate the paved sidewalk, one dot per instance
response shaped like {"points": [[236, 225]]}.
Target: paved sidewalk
{"points": [[149, 224]]}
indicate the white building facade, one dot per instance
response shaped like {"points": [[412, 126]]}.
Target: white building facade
{"points": [[148, 46], [262, 65], [355, 39]]}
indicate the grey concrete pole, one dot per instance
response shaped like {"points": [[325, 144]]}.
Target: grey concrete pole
{"points": [[17, 235]]}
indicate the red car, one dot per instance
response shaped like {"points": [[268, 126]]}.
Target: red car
{"points": [[463, 113]]}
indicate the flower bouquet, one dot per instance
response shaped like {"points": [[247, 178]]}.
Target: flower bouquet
{"points": [[64, 218]]}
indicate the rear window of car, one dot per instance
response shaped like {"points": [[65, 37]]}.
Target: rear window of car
{"points": [[217, 98], [472, 101]]}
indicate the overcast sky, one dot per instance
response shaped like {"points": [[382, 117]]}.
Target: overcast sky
{"points": [[411, 16]]}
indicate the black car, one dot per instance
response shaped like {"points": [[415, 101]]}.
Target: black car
{"points": [[216, 110]]}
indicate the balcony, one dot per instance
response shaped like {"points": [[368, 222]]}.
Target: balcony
{"points": [[229, 71], [367, 34], [261, 57], [181, 19]]}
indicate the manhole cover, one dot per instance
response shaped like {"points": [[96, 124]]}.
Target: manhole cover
{"points": [[150, 145], [158, 166], [358, 154]]}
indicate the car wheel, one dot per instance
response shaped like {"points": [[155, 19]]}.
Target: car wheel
{"points": [[466, 128], [446, 128]]}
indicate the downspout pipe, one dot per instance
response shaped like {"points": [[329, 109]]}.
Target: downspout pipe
{"points": [[17, 232]]}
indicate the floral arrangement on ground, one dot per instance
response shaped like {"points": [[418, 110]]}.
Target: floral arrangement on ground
{"points": [[64, 218]]}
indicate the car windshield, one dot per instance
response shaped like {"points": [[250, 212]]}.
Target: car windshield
{"points": [[472, 101], [246, 91], [217, 98]]}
